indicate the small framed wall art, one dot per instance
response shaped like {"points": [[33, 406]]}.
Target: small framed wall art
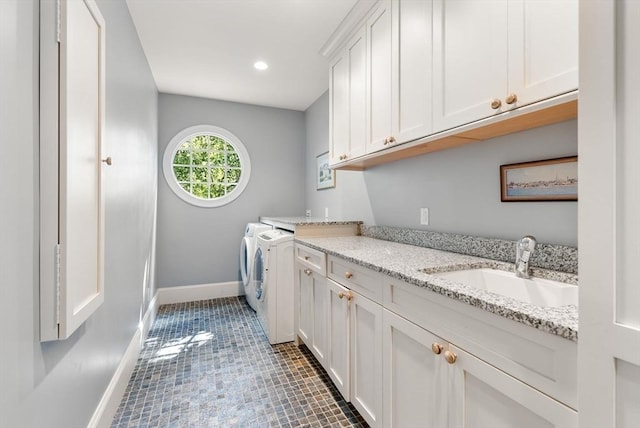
{"points": [[544, 180], [325, 176]]}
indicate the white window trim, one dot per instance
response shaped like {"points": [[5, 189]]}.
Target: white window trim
{"points": [[185, 134]]}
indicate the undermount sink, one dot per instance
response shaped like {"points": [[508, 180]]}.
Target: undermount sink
{"points": [[535, 291]]}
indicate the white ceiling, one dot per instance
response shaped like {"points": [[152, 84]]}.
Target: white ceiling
{"points": [[207, 48]]}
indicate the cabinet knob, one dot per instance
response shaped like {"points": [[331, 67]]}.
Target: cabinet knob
{"points": [[342, 294], [307, 257], [343, 157], [392, 139], [512, 98], [348, 275], [450, 357], [307, 271], [495, 104], [386, 141], [436, 348], [108, 161]]}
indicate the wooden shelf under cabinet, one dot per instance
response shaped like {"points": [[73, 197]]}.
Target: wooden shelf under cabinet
{"points": [[559, 109]]}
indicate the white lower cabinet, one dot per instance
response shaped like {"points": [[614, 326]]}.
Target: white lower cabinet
{"points": [[312, 310], [320, 296], [479, 395], [365, 318], [412, 375], [304, 283], [337, 363], [383, 357], [431, 383]]}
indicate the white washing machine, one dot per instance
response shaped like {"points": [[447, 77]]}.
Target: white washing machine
{"points": [[247, 251], [273, 277]]}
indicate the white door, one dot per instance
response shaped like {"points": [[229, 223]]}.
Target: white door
{"points": [[413, 376], [608, 213], [482, 396], [304, 282], [366, 358], [412, 75], [339, 108], [338, 335], [470, 67], [320, 311], [81, 203], [543, 49], [357, 53], [379, 78]]}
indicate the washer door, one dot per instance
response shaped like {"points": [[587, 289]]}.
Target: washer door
{"points": [[245, 259], [258, 273]]}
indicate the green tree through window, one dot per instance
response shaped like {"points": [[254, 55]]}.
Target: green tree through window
{"points": [[207, 166]]}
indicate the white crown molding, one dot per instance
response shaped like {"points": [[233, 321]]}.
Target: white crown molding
{"points": [[354, 19]]}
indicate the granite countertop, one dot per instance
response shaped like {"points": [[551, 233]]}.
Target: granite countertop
{"points": [[300, 221], [410, 263]]}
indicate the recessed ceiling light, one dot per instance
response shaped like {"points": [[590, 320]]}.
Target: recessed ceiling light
{"points": [[261, 65]]}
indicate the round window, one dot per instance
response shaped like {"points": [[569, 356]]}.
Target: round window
{"points": [[206, 166]]}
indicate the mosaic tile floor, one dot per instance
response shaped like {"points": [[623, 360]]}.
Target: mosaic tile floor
{"points": [[208, 364]]}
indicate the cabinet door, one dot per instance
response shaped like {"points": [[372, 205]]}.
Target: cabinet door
{"points": [[304, 282], [412, 76], [482, 396], [339, 108], [413, 381], [320, 325], [543, 49], [379, 78], [366, 358], [356, 52], [470, 60], [338, 335]]}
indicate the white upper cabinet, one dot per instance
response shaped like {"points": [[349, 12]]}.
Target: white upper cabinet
{"points": [[412, 41], [470, 60], [348, 101], [427, 72], [543, 49], [379, 78], [493, 56]]}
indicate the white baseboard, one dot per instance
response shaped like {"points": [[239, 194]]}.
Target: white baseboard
{"points": [[106, 410], [192, 293]]}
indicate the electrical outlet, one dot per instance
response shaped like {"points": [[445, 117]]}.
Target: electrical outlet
{"points": [[307, 213], [424, 216]]}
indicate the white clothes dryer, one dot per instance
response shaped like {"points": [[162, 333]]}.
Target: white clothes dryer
{"points": [[273, 277], [247, 251]]}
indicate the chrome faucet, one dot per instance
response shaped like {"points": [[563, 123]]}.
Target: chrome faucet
{"points": [[524, 251]]}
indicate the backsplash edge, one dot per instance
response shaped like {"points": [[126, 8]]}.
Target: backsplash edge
{"points": [[546, 256]]}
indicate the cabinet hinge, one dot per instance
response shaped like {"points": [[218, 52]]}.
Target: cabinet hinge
{"points": [[58, 284], [58, 21]]}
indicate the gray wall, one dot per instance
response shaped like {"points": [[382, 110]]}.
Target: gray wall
{"points": [[59, 384], [201, 245], [460, 186]]}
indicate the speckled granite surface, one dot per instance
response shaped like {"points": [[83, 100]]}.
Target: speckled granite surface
{"points": [[553, 257], [411, 263], [300, 221]]}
